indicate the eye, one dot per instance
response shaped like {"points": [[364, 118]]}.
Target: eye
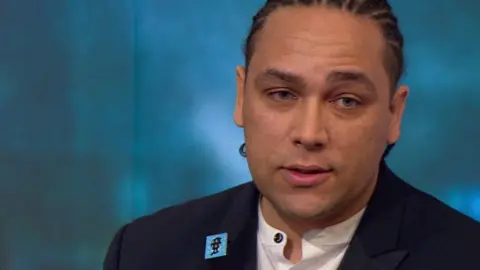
{"points": [[346, 103], [282, 95]]}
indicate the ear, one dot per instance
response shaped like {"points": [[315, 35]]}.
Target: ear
{"points": [[397, 107], [238, 113]]}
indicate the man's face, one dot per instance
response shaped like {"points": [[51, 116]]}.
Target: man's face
{"points": [[316, 109]]}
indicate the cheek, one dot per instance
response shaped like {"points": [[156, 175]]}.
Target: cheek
{"points": [[265, 132], [264, 128], [362, 139]]}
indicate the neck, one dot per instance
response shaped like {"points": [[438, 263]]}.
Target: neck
{"points": [[295, 228]]}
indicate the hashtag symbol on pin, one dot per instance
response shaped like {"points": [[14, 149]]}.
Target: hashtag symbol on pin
{"points": [[215, 245]]}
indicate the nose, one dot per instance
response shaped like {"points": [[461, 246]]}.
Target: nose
{"points": [[310, 129]]}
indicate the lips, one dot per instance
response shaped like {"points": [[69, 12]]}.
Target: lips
{"points": [[305, 176], [307, 169]]}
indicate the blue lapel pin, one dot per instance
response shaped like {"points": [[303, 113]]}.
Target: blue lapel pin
{"points": [[216, 246]]}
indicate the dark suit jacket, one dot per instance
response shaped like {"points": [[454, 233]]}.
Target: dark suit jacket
{"points": [[402, 228]]}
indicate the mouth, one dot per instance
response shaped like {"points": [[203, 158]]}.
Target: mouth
{"points": [[305, 176], [310, 169]]}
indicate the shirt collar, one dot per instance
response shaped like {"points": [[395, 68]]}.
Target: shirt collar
{"points": [[337, 234]]}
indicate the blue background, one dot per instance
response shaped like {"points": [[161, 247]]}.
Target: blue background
{"points": [[112, 109]]}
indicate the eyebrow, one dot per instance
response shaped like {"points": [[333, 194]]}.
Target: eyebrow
{"points": [[280, 75], [350, 77], [334, 77]]}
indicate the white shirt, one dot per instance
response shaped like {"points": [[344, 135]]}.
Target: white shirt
{"points": [[321, 249]]}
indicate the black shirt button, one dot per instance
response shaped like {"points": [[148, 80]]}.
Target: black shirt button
{"points": [[278, 238]]}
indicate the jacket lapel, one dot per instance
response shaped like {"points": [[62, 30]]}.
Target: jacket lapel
{"points": [[357, 258], [241, 224], [375, 243]]}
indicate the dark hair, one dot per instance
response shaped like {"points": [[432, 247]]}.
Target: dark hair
{"points": [[377, 10]]}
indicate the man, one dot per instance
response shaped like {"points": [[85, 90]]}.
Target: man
{"points": [[319, 103]]}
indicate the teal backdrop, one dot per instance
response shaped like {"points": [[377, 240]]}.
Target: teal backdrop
{"points": [[113, 109]]}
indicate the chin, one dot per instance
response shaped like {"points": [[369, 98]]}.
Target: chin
{"points": [[304, 215], [302, 208]]}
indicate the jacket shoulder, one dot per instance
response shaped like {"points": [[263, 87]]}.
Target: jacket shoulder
{"points": [[438, 235], [155, 238], [429, 213], [209, 208]]}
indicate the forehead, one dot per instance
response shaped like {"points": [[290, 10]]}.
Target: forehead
{"points": [[317, 40]]}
